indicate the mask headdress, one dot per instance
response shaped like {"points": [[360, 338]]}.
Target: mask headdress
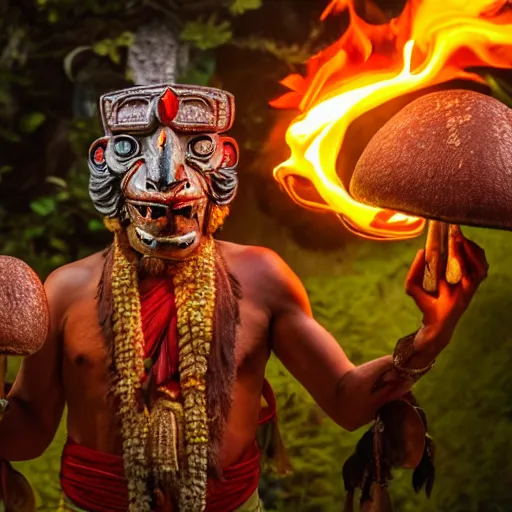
{"points": [[161, 161]]}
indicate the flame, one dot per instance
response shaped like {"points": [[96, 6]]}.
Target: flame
{"points": [[431, 42]]}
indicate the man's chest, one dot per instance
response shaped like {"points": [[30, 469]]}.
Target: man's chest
{"points": [[87, 350], [253, 335]]}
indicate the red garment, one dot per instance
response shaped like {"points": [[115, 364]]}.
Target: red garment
{"points": [[159, 319], [95, 481]]}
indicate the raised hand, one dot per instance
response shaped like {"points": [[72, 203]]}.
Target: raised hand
{"points": [[442, 312]]}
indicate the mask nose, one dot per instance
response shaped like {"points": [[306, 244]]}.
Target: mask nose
{"points": [[165, 182], [165, 167]]}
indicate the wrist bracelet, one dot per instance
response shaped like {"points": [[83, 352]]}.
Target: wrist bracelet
{"points": [[404, 350]]}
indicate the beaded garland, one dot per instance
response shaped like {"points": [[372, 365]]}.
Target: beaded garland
{"points": [[195, 295]]}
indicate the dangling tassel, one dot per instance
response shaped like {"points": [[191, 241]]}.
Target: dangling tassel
{"points": [[166, 442], [424, 473], [271, 445], [268, 435], [398, 438]]}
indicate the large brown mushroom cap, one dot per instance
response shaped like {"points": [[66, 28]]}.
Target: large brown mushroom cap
{"points": [[446, 156], [24, 314]]}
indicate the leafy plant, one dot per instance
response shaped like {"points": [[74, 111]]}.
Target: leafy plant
{"points": [[207, 34]]}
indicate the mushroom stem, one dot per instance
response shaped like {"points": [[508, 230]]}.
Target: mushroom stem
{"points": [[435, 251], [453, 266], [440, 255]]}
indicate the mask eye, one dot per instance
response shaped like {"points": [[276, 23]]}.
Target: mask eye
{"points": [[125, 146], [202, 147]]}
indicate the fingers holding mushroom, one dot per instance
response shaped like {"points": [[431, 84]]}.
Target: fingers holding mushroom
{"points": [[475, 262], [414, 281]]}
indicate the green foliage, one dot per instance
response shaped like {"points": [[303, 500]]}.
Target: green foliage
{"points": [[207, 34], [111, 47], [500, 89], [291, 54], [45, 235], [466, 397], [32, 121], [240, 6]]}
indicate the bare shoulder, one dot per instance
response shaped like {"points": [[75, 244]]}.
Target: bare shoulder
{"points": [[264, 270], [259, 259], [65, 284]]}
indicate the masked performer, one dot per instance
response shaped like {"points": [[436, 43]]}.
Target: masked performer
{"points": [[164, 392]]}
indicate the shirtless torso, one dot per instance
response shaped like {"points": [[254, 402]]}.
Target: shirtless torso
{"points": [[72, 368], [85, 382]]}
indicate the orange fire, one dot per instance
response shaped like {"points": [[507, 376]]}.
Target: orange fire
{"points": [[431, 42]]}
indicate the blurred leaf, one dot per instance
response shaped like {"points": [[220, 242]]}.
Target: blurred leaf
{"points": [[125, 39], [33, 231], [43, 206], [53, 16], [9, 135], [499, 90], [4, 169], [110, 47], [5, 96], [240, 6], [291, 54], [62, 195], [57, 260], [95, 225], [31, 122], [55, 180], [102, 47], [59, 244], [207, 34], [114, 54]]}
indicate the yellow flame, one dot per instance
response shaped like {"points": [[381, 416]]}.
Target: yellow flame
{"points": [[441, 37]]}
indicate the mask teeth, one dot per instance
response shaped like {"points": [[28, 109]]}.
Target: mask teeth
{"points": [[151, 212]]}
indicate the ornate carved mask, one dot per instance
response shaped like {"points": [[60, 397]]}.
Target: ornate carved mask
{"points": [[164, 164]]}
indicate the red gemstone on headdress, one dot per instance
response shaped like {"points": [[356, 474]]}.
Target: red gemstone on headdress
{"points": [[229, 159], [99, 155], [167, 107]]}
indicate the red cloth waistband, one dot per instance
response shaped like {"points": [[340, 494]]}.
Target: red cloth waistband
{"points": [[95, 481]]}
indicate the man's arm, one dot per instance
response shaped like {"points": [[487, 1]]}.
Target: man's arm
{"points": [[351, 395], [36, 401]]}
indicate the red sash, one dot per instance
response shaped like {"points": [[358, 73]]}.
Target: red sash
{"points": [[95, 481]]}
